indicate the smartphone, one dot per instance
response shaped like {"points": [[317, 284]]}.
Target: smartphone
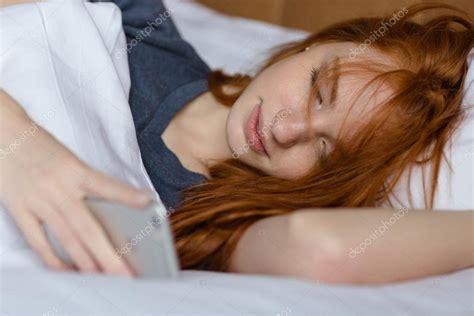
{"points": [[142, 236]]}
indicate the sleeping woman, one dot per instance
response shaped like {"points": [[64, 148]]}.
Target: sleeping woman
{"points": [[301, 170]]}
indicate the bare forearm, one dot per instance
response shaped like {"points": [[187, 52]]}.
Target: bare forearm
{"points": [[13, 119], [358, 246], [267, 248], [9, 106], [376, 246]]}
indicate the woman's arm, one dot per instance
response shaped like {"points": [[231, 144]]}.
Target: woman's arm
{"points": [[357, 246]]}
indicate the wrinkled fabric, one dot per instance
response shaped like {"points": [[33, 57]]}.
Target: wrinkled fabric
{"points": [[166, 74]]}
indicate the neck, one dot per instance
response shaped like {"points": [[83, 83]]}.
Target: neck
{"points": [[209, 125], [199, 134]]}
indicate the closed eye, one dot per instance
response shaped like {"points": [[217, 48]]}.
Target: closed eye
{"points": [[314, 75], [314, 79], [322, 149]]}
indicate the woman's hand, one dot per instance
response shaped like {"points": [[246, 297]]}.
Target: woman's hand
{"points": [[44, 183]]}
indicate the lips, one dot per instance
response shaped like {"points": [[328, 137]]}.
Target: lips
{"points": [[251, 131]]}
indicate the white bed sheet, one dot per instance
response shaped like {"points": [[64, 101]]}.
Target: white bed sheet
{"points": [[39, 292], [28, 289]]}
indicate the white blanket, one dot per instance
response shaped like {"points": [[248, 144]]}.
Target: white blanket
{"points": [[82, 48], [58, 62]]}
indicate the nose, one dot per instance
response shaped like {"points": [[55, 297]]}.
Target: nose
{"points": [[291, 128]]}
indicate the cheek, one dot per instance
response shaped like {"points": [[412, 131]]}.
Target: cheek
{"points": [[294, 163], [284, 81], [278, 87]]}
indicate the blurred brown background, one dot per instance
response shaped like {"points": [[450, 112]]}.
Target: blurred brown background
{"points": [[312, 15]]}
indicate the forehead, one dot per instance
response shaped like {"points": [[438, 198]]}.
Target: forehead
{"points": [[358, 99], [357, 96]]}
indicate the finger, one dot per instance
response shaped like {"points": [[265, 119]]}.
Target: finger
{"points": [[36, 238], [70, 242], [94, 238], [102, 186]]}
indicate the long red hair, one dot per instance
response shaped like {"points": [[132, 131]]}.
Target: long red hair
{"points": [[430, 66]]}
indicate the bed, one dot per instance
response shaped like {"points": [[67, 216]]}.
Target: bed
{"points": [[235, 45]]}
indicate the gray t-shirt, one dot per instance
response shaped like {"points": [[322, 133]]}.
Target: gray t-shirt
{"points": [[166, 73]]}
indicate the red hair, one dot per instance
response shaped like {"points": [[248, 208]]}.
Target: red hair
{"points": [[427, 78]]}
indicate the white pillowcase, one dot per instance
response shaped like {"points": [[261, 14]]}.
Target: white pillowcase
{"points": [[227, 42], [455, 182]]}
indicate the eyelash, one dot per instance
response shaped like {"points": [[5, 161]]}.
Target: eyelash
{"points": [[314, 75], [314, 79], [322, 151]]}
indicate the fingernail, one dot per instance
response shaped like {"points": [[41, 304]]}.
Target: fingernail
{"points": [[129, 274], [145, 198]]}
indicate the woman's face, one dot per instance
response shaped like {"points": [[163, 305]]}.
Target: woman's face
{"points": [[268, 127]]}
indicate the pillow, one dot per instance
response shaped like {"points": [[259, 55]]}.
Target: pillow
{"points": [[227, 42], [456, 180]]}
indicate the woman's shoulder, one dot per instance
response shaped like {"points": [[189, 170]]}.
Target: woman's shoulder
{"points": [[164, 68]]}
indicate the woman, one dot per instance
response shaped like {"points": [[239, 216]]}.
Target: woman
{"points": [[320, 126]]}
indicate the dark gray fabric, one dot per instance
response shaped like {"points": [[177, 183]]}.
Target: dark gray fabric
{"points": [[166, 73]]}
